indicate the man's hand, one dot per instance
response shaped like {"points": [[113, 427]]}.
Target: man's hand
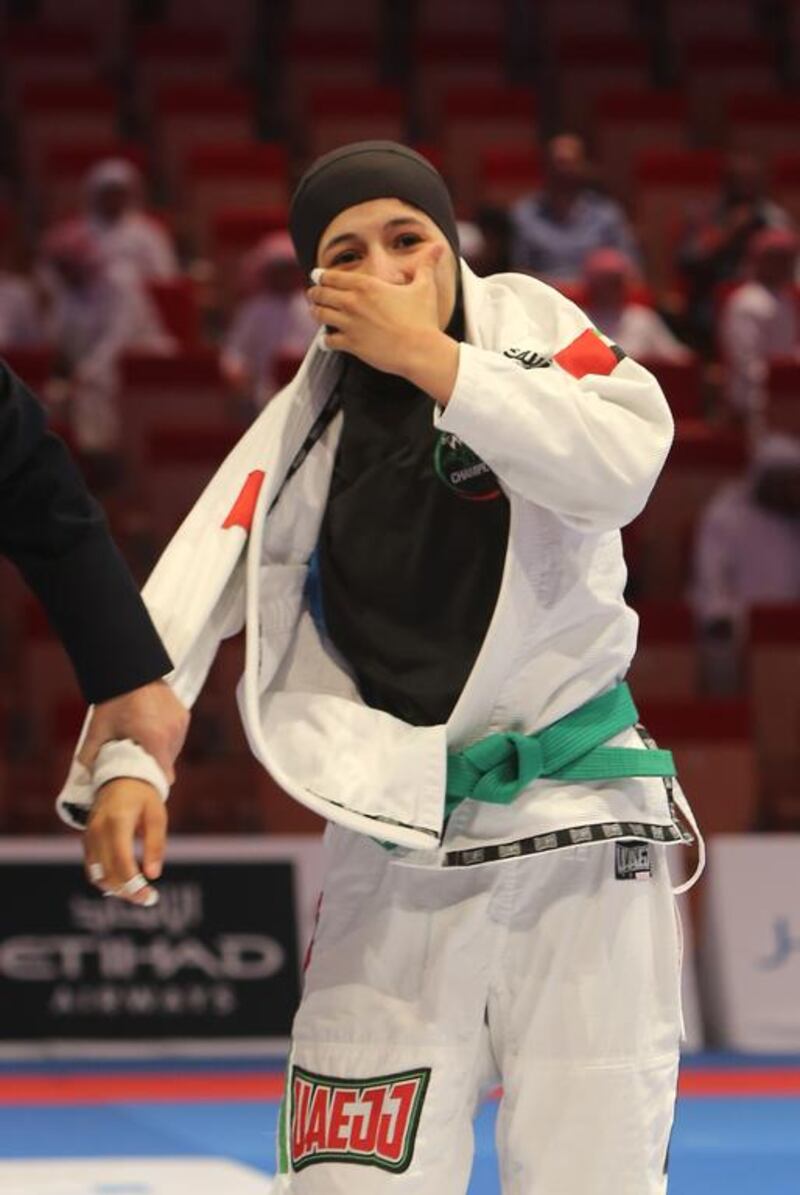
{"points": [[123, 809], [152, 716]]}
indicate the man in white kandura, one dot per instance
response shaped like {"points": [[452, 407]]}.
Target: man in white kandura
{"points": [[452, 464]]}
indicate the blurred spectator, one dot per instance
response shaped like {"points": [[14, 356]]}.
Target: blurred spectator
{"points": [[760, 319], [96, 310], [122, 230], [472, 244], [636, 328], [553, 230], [495, 226], [747, 550], [714, 246], [20, 320], [273, 319]]}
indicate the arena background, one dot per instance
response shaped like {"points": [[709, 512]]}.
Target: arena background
{"points": [[129, 1038]]}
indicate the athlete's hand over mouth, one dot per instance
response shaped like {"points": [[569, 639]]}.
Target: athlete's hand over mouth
{"points": [[390, 326]]}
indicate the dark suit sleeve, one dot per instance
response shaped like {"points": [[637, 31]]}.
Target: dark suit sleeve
{"points": [[56, 534]]}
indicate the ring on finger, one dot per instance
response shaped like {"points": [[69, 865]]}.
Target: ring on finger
{"points": [[96, 872]]}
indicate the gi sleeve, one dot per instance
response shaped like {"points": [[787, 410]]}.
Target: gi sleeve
{"points": [[56, 534], [574, 426]]}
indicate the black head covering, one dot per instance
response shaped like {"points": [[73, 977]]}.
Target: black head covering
{"points": [[357, 173]]}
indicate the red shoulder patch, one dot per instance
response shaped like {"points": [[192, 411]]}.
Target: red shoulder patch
{"points": [[589, 353], [243, 509]]}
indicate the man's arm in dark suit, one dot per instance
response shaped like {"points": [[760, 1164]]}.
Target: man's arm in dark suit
{"points": [[54, 531]]}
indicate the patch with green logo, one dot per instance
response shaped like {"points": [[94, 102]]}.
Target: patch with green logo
{"points": [[371, 1121], [463, 471]]}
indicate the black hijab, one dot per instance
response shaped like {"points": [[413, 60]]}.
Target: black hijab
{"points": [[356, 174]]}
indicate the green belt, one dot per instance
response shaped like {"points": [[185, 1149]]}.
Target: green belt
{"points": [[497, 768]]}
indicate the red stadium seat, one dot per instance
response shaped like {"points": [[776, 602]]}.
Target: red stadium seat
{"points": [[47, 676], [715, 68], [443, 61], [227, 174], [52, 113], [285, 366], [458, 16], [234, 232], [166, 54], [715, 756], [783, 390], [338, 114], [563, 17], [667, 184], [629, 120], [432, 152], [785, 175], [194, 113], [688, 19], [39, 52], [33, 365], [774, 682], [591, 63], [762, 123], [65, 167], [185, 388], [665, 664], [477, 118], [682, 383], [508, 172], [702, 458], [280, 813], [335, 58], [180, 462], [176, 300], [311, 17], [233, 22]]}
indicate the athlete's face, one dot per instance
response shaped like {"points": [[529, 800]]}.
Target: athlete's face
{"points": [[387, 239]]}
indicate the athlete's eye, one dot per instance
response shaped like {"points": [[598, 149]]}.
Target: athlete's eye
{"points": [[344, 258], [407, 239]]}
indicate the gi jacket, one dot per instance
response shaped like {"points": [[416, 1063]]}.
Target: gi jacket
{"points": [[576, 434]]}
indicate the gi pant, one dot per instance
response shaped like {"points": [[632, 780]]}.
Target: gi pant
{"points": [[547, 974]]}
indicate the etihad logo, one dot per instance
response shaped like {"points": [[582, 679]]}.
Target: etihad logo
{"points": [[369, 1121]]}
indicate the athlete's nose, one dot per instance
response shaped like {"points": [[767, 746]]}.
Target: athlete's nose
{"points": [[383, 265]]}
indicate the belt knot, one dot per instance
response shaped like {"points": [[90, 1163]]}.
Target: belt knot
{"points": [[507, 763]]}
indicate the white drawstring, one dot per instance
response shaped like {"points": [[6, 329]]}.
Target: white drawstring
{"points": [[686, 810]]}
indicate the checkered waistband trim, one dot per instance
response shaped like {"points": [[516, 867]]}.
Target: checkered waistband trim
{"points": [[560, 839]]}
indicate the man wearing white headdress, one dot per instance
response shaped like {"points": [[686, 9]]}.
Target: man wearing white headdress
{"points": [[122, 230]]}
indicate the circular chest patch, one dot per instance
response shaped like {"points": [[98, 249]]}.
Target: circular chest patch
{"points": [[463, 471]]}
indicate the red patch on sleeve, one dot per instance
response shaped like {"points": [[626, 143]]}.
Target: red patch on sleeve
{"points": [[587, 354], [243, 509]]}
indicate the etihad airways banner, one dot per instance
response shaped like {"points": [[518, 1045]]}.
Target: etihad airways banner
{"points": [[752, 941], [217, 959]]}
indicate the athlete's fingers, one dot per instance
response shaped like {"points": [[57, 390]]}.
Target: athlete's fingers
{"points": [[350, 280], [121, 880], [337, 340], [328, 296], [329, 315], [92, 862], [154, 836]]}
